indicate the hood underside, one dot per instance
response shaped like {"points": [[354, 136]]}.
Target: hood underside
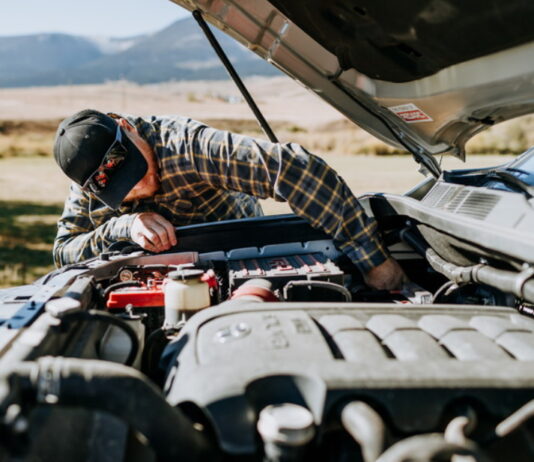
{"points": [[426, 75], [405, 41]]}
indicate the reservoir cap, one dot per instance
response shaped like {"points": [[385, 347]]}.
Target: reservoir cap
{"points": [[186, 273], [287, 424]]}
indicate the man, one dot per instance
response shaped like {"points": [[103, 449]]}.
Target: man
{"points": [[135, 179]]}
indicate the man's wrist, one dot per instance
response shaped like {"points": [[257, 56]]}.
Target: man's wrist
{"points": [[366, 255], [122, 227]]}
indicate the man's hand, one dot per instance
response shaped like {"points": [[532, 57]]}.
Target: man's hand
{"points": [[386, 276], [153, 232]]}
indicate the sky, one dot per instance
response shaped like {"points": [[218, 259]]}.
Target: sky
{"points": [[113, 18]]}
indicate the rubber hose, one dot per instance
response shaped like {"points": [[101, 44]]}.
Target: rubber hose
{"points": [[367, 428], [120, 285], [123, 392], [428, 447], [102, 316]]}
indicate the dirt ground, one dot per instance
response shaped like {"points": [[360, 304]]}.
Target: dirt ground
{"points": [[279, 98], [39, 179]]}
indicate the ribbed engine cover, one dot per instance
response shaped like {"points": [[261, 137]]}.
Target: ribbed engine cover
{"points": [[412, 363]]}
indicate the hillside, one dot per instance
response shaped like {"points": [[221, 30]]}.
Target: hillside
{"points": [[178, 52], [26, 56]]}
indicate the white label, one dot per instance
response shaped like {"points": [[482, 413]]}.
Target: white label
{"points": [[410, 113]]}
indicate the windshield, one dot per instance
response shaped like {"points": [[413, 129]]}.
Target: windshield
{"points": [[523, 167], [520, 171], [516, 176]]}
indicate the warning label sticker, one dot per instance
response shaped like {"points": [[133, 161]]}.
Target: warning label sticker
{"points": [[410, 113]]}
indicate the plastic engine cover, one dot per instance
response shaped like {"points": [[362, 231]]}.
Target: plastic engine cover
{"points": [[414, 362]]}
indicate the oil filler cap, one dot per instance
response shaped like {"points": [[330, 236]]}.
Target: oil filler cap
{"points": [[286, 424]]}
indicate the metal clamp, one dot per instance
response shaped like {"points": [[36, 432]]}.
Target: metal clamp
{"points": [[317, 284], [48, 380], [522, 278]]}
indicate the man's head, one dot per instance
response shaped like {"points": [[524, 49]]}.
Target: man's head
{"points": [[101, 154]]}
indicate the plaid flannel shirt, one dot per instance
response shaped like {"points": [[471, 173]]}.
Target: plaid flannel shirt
{"points": [[208, 175]]}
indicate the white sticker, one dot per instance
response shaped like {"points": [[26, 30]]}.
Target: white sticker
{"points": [[410, 113]]}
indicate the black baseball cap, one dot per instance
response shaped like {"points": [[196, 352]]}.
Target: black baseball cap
{"points": [[83, 141]]}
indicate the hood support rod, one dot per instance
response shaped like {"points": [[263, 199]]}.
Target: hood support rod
{"points": [[235, 77]]}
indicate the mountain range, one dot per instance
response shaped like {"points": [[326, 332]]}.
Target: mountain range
{"points": [[177, 52]]}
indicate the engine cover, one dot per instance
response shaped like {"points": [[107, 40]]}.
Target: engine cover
{"points": [[411, 364]]}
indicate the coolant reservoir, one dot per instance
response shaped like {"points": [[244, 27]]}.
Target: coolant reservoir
{"points": [[184, 294]]}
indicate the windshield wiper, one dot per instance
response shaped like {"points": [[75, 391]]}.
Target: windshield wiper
{"points": [[512, 180]]}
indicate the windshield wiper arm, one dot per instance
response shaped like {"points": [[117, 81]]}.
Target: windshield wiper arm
{"points": [[512, 180]]}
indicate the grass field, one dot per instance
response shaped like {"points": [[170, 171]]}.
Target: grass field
{"points": [[27, 230]]}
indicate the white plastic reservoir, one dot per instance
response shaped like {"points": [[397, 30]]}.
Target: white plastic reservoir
{"points": [[185, 294]]}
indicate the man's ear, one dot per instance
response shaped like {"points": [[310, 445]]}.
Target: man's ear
{"points": [[125, 125]]}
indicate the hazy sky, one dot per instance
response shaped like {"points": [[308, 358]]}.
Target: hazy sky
{"points": [[115, 18]]}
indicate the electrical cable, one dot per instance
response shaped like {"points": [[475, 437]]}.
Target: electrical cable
{"points": [[445, 289], [120, 285]]}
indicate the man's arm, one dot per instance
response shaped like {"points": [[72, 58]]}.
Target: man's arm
{"points": [[77, 238], [289, 173]]}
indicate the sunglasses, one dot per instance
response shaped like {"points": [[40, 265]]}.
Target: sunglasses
{"points": [[114, 156]]}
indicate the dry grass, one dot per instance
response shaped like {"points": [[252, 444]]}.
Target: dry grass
{"points": [[28, 138], [513, 136], [199, 100], [29, 116], [295, 114], [30, 146]]}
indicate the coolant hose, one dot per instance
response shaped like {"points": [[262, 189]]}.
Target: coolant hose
{"points": [[515, 420], [429, 447], [257, 289], [367, 428], [520, 284], [123, 392]]}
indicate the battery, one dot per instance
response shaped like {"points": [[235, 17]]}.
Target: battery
{"points": [[282, 269]]}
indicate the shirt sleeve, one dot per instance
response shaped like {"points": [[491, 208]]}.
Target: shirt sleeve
{"points": [[77, 238], [286, 172]]}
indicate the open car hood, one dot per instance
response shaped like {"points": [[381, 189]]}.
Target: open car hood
{"points": [[427, 75]]}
